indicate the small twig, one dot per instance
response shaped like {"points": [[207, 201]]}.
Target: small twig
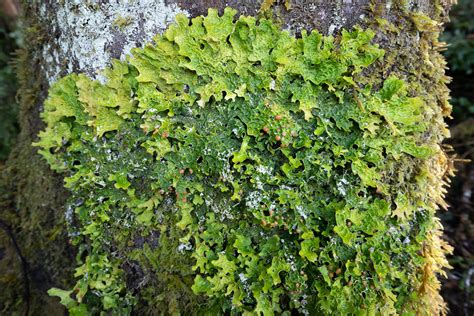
{"points": [[24, 264]]}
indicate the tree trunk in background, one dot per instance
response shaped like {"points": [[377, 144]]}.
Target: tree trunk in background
{"points": [[64, 37]]}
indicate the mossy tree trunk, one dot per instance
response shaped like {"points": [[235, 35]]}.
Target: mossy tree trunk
{"points": [[62, 37]]}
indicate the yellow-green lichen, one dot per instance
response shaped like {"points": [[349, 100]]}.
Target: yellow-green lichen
{"points": [[239, 169], [122, 22]]}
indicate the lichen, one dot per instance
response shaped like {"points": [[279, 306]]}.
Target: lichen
{"points": [[236, 168], [89, 32]]}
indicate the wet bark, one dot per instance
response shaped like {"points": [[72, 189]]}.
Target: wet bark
{"points": [[34, 250]]}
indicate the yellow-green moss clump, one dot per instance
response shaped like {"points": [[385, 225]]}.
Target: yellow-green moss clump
{"points": [[230, 167]]}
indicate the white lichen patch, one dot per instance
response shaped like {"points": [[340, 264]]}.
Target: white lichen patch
{"points": [[341, 186], [184, 247], [254, 199], [338, 20], [86, 34], [301, 212], [264, 169], [226, 172]]}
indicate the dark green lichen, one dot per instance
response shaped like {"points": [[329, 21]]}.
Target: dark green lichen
{"points": [[237, 168]]}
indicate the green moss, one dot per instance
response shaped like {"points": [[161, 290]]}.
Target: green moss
{"points": [[232, 167], [35, 222], [9, 41], [423, 67], [122, 22]]}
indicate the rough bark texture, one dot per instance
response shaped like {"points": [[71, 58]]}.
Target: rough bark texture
{"points": [[32, 196]]}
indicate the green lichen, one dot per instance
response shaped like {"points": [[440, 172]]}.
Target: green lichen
{"points": [[231, 167]]}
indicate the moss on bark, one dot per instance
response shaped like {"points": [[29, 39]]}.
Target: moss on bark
{"points": [[32, 201]]}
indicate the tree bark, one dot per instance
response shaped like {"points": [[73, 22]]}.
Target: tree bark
{"points": [[70, 36]]}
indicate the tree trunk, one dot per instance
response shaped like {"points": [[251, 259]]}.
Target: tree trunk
{"points": [[69, 36]]}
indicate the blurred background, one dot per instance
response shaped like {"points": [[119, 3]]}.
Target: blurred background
{"points": [[458, 288]]}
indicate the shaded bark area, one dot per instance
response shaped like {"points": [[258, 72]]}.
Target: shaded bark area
{"points": [[32, 197], [326, 16]]}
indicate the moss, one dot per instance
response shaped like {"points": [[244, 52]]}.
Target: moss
{"points": [[266, 4], [232, 167], [423, 67], [32, 201], [122, 22], [9, 41]]}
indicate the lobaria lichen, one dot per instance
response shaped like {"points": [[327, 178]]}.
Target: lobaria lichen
{"points": [[230, 167]]}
